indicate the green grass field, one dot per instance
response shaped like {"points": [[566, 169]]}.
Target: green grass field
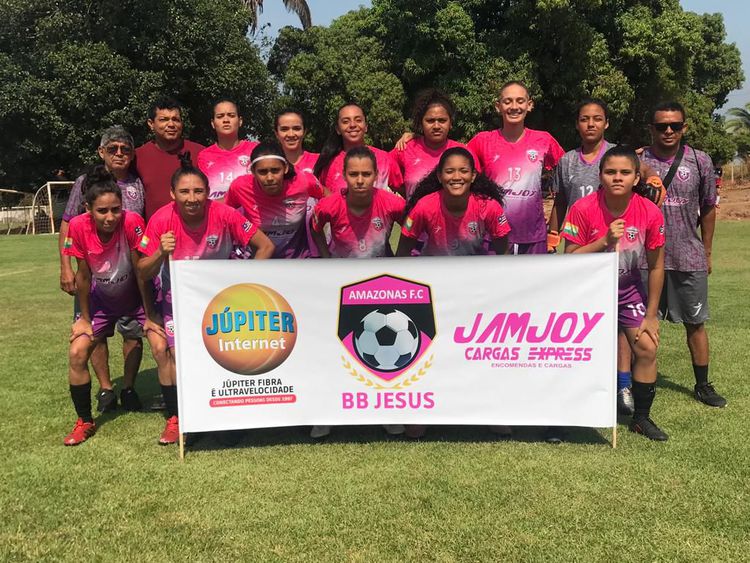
{"points": [[458, 496]]}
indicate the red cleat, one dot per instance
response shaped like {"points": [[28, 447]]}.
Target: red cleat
{"points": [[171, 432], [81, 432]]}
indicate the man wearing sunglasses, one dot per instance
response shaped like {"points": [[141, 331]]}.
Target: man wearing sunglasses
{"points": [[116, 150], [688, 176]]}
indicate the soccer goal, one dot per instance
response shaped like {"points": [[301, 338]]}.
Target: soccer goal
{"points": [[15, 211], [47, 207]]}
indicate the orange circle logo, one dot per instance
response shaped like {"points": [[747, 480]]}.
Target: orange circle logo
{"points": [[249, 329]]}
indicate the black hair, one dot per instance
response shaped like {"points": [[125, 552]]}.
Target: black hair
{"points": [[334, 143], [595, 102], [273, 148], [361, 152], [424, 101], [621, 150], [515, 83], [286, 111], [187, 169], [482, 185], [164, 103], [668, 106], [223, 100], [99, 181]]}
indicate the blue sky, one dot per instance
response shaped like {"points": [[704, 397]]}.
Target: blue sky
{"points": [[736, 20]]}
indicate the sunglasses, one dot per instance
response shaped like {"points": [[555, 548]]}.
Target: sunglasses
{"points": [[114, 149], [676, 126]]}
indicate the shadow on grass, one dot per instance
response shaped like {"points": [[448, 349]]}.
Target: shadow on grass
{"points": [[665, 382], [299, 435]]}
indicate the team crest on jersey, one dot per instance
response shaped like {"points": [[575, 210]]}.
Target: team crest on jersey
{"points": [[631, 233], [289, 203], [377, 222], [244, 160], [211, 240], [502, 220], [532, 154], [472, 227], [683, 173], [131, 192], [169, 327], [138, 230], [246, 226], [661, 229]]}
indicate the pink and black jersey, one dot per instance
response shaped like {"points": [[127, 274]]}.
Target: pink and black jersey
{"points": [[222, 166], [589, 219], [281, 217], [359, 236], [417, 160], [517, 168], [451, 235], [114, 285], [222, 228], [389, 174]]}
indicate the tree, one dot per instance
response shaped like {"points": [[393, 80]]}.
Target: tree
{"points": [[739, 129], [69, 69], [632, 53], [299, 7]]}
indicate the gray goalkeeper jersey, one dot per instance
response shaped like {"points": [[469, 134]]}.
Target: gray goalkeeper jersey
{"points": [[575, 177]]}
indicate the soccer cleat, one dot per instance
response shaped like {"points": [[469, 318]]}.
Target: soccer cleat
{"points": [[106, 400], [502, 431], [319, 432], [625, 404], [706, 394], [649, 429], [171, 432], [81, 432], [555, 434], [129, 400], [393, 429]]}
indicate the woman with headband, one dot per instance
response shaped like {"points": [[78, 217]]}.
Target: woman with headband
{"points": [[274, 197]]}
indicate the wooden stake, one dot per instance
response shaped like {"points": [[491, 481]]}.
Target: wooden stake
{"points": [[614, 437], [182, 447]]}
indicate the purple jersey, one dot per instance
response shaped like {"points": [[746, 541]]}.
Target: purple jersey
{"points": [[517, 168], [576, 177], [693, 188], [132, 197]]}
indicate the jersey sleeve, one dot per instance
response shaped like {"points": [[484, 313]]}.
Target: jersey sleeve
{"points": [[554, 153], [707, 189], [574, 228], [151, 239], [73, 245], [477, 164], [240, 227], [557, 177], [395, 177], [396, 206], [75, 200], [314, 187], [398, 157], [231, 198], [415, 222], [134, 229], [322, 214], [475, 147], [495, 221], [655, 231]]}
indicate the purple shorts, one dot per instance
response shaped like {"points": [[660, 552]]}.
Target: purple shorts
{"points": [[631, 306], [164, 303], [103, 321], [517, 248]]}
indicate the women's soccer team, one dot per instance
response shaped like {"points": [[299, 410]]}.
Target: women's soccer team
{"points": [[273, 199]]}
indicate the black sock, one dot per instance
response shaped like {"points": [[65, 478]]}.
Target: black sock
{"points": [[81, 395], [643, 397], [701, 374], [169, 392]]}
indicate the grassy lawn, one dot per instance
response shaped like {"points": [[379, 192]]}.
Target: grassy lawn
{"points": [[460, 495]]}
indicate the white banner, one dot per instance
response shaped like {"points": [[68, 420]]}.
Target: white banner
{"points": [[517, 340]]}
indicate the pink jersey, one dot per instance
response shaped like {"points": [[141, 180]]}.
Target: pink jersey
{"points": [[223, 166], [417, 160], [389, 174], [222, 228], [588, 221], [281, 217], [517, 168], [359, 236], [449, 235], [306, 163], [112, 275]]}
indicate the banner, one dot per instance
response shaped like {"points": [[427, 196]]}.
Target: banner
{"points": [[517, 340]]}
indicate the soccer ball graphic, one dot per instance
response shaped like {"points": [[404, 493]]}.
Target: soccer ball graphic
{"points": [[386, 339]]}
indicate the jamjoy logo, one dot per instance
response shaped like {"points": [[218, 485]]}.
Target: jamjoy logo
{"points": [[532, 154], [386, 324]]}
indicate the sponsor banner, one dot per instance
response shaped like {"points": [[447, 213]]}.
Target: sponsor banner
{"points": [[522, 340]]}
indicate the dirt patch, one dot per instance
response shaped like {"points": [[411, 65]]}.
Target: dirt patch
{"points": [[734, 204]]}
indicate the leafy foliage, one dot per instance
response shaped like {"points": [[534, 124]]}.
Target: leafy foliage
{"points": [[69, 68]]}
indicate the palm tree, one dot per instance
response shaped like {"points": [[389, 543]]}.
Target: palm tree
{"points": [[298, 7], [741, 119]]}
